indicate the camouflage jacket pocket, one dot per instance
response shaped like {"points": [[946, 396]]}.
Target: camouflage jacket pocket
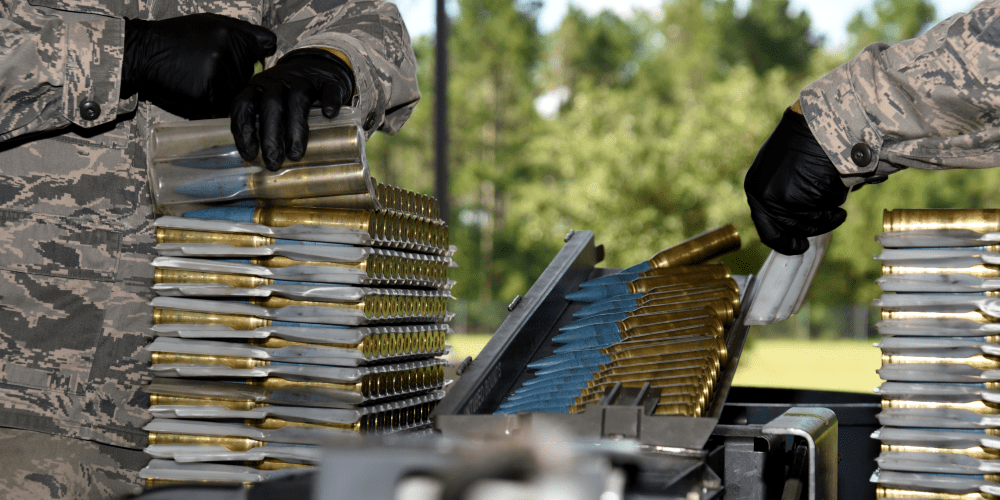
{"points": [[57, 246]]}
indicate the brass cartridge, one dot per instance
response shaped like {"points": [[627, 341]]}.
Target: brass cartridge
{"points": [[232, 404], [679, 410], [979, 271], [721, 282], [975, 316], [701, 341], [697, 381], [232, 443], [980, 361], [279, 423], [645, 285], [234, 321], [275, 464], [237, 362], [362, 220], [672, 359], [717, 270], [312, 182], [171, 235], [185, 276], [731, 297], [699, 248], [974, 452], [980, 407], [721, 307], [882, 492], [359, 201], [649, 324], [690, 366], [981, 220]]}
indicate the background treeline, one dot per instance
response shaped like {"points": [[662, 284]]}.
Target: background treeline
{"points": [[640, 129]]}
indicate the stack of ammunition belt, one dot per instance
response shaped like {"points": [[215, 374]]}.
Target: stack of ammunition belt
{"points": [[279, 327], [661, 322], [940, 355]]}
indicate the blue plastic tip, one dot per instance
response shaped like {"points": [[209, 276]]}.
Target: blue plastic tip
{"points": [[582, 332], [638, 268], [611, 279], [232, 214], [223, 186], [601, 319], [556, 400], [595, 293], [586, 359], [213, 158], [609, 304]]}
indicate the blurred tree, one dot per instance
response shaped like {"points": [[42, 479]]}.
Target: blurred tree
{"points": [[602, 48], [889, 21], [495, 50], [767, 36]]}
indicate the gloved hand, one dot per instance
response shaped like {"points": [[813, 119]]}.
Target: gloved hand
{"points": [[276, 104], [793, 189], [192, 65]]}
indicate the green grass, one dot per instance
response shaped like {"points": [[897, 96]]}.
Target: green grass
{"points": [[832, 365]]}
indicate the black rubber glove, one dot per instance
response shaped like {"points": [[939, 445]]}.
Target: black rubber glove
{"points": [[793, 189], [276, 104], [192, 65]]}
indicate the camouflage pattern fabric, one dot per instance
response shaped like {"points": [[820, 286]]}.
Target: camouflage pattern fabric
{"points": [[38, 465], [930, 102], [76, 239]]}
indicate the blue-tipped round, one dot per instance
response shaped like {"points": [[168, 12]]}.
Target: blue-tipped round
{"points": [[232, 214], [553, 377], [213, 158], [605, 305], [611, 279], [554, 381], [583, 359], [638, 268], [300, 242], [600, 319], [601, 330], [595, 293], [565, 397], [595, 342], [223, 186]]}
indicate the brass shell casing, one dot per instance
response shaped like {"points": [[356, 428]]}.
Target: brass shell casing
{"points": [[362, 220], [882, 492], [980, 271], [974, 452], [185, 276], [718, 270], [678, 410], [691, 366], [236, 362], [277, 261], [312, 182], [981, 220], [234, 321], [628, 350], [360, 201], [275, 464], [170, 235], [232, 443], [648, 324], [980, 407], [672, 359], [279, 423], [232, 404], [732, 296], [979, 361], [646, 285], [721, 307], [975, 316], [698, 384], [699, 248]]}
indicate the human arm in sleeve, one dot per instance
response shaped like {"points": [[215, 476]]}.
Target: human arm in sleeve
{"points": [[928, 103]]}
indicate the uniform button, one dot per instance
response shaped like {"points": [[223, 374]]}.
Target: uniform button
{"points": [[876, 179], [861, 154], [370, 121], [90, 110]]}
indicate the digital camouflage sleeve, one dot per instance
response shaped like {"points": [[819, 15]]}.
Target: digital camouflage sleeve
{"points": [[76, 239], [932, 102]]}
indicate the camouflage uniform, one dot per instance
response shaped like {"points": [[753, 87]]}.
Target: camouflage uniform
{"points": [[932, 102], [76, 239]]}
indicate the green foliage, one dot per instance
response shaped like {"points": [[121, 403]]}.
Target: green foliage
{"points": [[890, 21], [767, 37]]}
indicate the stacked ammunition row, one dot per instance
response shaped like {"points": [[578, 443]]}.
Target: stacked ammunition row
{"points": [[661, 322], [940, 355], [292, 318]]}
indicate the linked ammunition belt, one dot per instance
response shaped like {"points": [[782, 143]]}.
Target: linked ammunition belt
{"points": [[940, 355]]}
